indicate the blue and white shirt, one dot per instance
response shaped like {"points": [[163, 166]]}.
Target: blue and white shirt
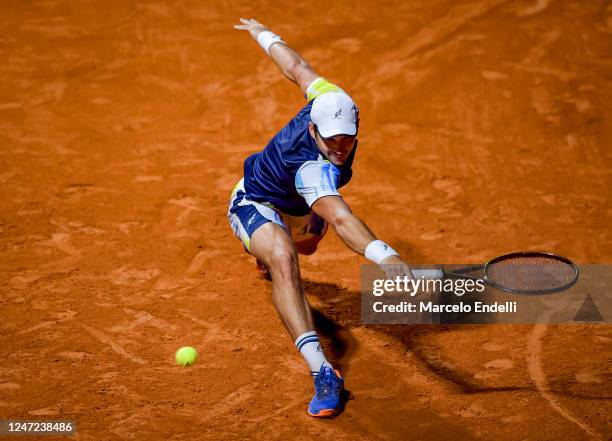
{"points": [[290, 173]]}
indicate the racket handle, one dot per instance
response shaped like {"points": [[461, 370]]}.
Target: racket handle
{"points": [[428, 273]]}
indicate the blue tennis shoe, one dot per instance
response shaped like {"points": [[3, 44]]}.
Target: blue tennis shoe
{"points": [[328, 387]]}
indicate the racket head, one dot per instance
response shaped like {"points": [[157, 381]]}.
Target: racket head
{"points": [[531, 272]]}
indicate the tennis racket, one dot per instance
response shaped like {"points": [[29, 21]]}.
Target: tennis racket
{"points": [[527, 272]]}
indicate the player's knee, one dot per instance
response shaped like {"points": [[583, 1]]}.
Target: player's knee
{"points": [[283, 262]]}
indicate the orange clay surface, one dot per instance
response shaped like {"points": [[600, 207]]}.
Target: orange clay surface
{"points": [[486, 128]]}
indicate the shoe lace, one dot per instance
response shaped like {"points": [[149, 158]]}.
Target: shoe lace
{"points": [[324, 384]]}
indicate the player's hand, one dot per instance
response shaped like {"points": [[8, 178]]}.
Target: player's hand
{"points": [[394, 266], [251, 25]]}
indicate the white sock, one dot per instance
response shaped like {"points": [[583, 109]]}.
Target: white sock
{"points": [[310, 348]]}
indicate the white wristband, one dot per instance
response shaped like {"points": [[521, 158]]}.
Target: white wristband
{"points": [[266, 39], [377, 251]]}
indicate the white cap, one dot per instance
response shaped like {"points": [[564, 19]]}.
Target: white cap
{"points": [[334, 113]]}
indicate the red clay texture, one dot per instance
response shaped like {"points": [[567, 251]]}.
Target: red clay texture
{"points": [[486, 128]]}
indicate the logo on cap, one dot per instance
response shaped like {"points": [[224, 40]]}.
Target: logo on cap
{"points": [[338, 114]]}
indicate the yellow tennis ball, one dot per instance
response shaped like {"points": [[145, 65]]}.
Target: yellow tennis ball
{"points": [[186, 356]]}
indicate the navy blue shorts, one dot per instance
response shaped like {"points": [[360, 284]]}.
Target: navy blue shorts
{"points": [[247, 216]]}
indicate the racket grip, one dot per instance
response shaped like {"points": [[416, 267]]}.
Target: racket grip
{"points": [[428, 273]]}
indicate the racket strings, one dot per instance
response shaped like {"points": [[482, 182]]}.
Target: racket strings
{"points": [[530, 273]]}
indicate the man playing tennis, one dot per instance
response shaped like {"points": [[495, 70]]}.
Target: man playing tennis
{"points": [[289, 196]]}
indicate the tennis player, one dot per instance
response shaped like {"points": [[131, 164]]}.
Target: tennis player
{"points": [[288, 197]]}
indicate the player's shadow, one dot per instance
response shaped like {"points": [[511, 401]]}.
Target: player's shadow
{"points": [[337, 339], [340, 343], [341, 311]]}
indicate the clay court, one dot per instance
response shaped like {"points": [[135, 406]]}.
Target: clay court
{"points": [[485, 128]]}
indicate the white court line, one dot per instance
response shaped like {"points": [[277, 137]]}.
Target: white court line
{"points": [[534, 367]]}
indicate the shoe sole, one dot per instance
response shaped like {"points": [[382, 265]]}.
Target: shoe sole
{"points": [[325, 413]]}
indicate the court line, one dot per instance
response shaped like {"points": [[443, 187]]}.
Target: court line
{"points": [[537, 375]]}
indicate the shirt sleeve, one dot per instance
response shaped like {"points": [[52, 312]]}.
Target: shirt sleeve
{"points": [[319, 87], [315, 179]]}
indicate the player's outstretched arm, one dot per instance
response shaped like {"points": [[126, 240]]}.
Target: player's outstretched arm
{"points": [[289, 61], [353, 231]]}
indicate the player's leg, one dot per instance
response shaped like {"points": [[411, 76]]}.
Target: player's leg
{"points": [[306, 231], [273, 246], [263, 234]]}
